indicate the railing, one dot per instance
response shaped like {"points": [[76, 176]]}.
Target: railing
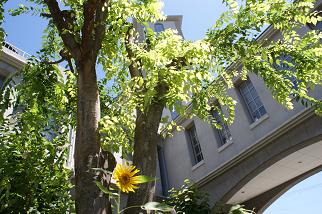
{"points": [[16, 50]]}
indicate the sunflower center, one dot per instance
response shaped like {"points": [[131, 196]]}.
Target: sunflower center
{"points": [[125, 179]]}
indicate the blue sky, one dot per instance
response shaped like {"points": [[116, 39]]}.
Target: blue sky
{"points": [[25, 32]]}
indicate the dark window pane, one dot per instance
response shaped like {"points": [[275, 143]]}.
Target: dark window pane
{"points": [[248, 97], [319, 26], [223, 133], [253, 92], [256, 115], [195, 145], [199, 158], [174, 115], [252, 106], [262, 110], [158, 27], [251, 99], [258, 102], [197, 149]]}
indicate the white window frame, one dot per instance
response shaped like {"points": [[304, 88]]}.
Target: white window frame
{"points": [[194, 143], [246, 88], [224, 133]]}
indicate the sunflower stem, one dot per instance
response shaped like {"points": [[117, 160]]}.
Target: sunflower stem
{"points": [[119, 202]]}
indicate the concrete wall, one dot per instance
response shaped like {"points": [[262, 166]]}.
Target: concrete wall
{"points": [[245, 134]]}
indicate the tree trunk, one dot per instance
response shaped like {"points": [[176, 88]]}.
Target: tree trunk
{"points": [[89, 199], [145, 155]]}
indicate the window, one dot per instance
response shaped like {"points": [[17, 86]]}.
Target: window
{"points": [[223, 133], [252, 100], [286, 63], [318, 25], [158, 27], [163, 171], [195, 145], [174, 114]]}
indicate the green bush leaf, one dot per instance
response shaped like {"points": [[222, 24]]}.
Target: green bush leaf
{"points": [[157, 206]]}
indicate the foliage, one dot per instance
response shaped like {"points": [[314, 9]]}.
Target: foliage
{"points": [[161, 69], [198, 75], [188, 199], [194, 73], [220, 208], [239, 209], [34, 143]]}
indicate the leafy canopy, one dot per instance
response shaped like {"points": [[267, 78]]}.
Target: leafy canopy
{"points": [[190, 77]]}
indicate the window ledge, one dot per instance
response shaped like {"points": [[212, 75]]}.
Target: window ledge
{"points": [[223, 147], [194, 167], [259, 121]]}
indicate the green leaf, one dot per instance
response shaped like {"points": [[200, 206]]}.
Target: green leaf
{"points": [[157, 206], [104, 189], [144, 179]]}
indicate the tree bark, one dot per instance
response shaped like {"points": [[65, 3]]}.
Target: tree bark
{"points": [[89, 199], [145, 155]]}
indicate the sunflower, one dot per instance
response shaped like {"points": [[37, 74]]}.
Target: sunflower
{"points": [[125, 179]]}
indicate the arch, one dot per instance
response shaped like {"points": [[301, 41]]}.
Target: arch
{"points": [[268, 197], [283, 189]]}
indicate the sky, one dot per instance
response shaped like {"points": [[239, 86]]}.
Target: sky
{"points": [[25, 33]]}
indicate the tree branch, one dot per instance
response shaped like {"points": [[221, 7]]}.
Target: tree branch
{"points": [[67, 37], [102, 11], [129, 40], [54, 62], [89, 9]]}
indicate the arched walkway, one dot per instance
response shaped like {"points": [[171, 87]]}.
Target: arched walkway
{"points": [[271, 179], [262, 173]]}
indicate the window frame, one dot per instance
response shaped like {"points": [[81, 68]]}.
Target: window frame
{"points": [[189, 130], [246, 101], [221, 133], [163, 170], [156, 28], [284, 66]]}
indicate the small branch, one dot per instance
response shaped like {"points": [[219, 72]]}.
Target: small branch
{"points": [[54, 62], [46, 15], [71, 67]]}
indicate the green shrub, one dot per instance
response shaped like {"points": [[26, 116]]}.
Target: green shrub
{"points": [[188, 199]]}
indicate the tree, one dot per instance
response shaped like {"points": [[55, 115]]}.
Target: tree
{"points": [[82, 34], [165, 71], [168, 72], [33, 145]]}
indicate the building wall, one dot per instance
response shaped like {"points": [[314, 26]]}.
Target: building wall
{"points": [[245, 134]]}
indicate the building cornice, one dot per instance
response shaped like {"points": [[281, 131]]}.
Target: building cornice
{"points": [[12, 58]]}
